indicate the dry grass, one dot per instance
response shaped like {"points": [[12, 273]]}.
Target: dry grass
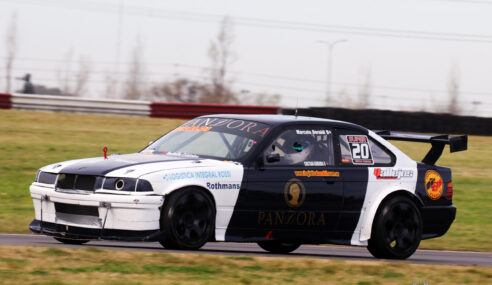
{"points": [[35, 265]]}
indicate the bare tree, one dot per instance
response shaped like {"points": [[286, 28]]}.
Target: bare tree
{"points": [[11, 45], [180, 90], [64, 73], [74, 82], [82, 76], [454, 90], [134, 83], [221, 56], [364, 92]]}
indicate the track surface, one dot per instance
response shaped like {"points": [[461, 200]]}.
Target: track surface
{"points": [[312, 251]]}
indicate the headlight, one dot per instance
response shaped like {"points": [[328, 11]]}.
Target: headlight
{"points": [[144, 186], [127, 184], [120, 184], [46, 177]]}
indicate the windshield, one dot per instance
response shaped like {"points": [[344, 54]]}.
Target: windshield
{"points": [[229, 139]]}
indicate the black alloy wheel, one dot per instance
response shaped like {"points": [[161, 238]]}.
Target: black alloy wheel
{"points": [[187, 219], [274, 246], [397, 229], [71, 241]]}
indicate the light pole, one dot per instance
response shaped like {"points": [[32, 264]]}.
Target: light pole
{"points": [[330, 45]]}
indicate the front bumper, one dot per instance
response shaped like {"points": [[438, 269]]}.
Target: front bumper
{"points": [[72, 232], [117, 214]]}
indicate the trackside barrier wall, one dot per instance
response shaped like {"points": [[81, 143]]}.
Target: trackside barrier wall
{"points": [[403, 121], [79, 105], [123, 107], [192, 110], [5, 101]]}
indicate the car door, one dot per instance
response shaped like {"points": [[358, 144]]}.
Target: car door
{"points": [[293, 191], [357, 152]]}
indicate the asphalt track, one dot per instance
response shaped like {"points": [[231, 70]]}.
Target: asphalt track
{"points": [[250, 249]]}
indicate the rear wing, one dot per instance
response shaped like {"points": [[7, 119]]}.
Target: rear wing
{"points": [[456, 143]]}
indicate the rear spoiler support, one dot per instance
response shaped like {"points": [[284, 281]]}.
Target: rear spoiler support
{"points": [[456, 143]]}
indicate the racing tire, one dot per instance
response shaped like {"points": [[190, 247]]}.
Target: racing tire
{"points": [[278, 247], [187, 219], [396, 230], [71, 241]]}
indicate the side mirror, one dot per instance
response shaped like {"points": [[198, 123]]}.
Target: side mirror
{"points": [[273, 157]]}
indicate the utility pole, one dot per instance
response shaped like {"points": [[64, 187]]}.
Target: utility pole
{"points": [[330, 45]]}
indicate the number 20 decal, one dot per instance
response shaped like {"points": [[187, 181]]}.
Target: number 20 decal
{"points": [[360, 150]]}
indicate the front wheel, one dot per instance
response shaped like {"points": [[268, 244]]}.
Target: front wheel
{"points": [[187, 219], [396, 230], [278, 247], [71, 241]]}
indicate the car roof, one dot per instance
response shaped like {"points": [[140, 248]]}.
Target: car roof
{"points": [[277, 120]]}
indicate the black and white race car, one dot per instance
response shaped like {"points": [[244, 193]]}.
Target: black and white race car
{"points": [[279, 181]]}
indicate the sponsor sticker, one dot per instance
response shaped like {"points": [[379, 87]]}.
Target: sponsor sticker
{"points": [[314, 163], [313, 132], [389, 173], [193, 129], [294, 193], [433, 184], [323, 173], [360, 150], [204, 174], [223, 186]]}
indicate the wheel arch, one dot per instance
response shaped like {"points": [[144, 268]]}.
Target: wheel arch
{"points": [[368, 215], [198, 187]]}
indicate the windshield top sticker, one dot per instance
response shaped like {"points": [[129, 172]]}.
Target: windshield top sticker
{"points": [[193, 129], [240, 126], [360, 150]]}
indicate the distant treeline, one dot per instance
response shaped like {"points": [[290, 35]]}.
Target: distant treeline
{"points": [[403, 121]]}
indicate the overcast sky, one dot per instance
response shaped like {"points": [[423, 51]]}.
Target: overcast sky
{"points": [[408, 47]]}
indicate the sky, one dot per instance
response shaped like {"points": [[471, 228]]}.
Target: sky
{"points": [[405, 51]]}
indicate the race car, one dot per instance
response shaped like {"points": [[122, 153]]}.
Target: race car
{"points": [[279, 181]]}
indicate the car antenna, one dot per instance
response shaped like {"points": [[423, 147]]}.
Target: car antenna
{"points": [[297, 106]]}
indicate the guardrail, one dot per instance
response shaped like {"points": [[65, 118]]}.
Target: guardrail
{"points": [[123, 107]]}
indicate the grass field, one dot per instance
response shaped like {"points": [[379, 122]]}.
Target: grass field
{"points": [[29, 140], [35, 265]]}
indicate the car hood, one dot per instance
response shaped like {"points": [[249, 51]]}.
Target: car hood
{"points": [[128, 165]]}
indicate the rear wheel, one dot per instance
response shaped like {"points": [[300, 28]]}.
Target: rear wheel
{"points": [[396, 230], [71, 241], [278, 247], [187, 219]]}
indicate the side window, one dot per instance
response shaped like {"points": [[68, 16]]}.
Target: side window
{"points": [[380, 155], [303, 146], [359, 149]]}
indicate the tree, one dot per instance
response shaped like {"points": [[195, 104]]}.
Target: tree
{"points": [[364, 92], [454, 90], [180, 90], [221, 56], [11, 45], [74, 82], [134, 84]]}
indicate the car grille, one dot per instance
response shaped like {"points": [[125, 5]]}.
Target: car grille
{"points": [[78, 182], [76, 209]]}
